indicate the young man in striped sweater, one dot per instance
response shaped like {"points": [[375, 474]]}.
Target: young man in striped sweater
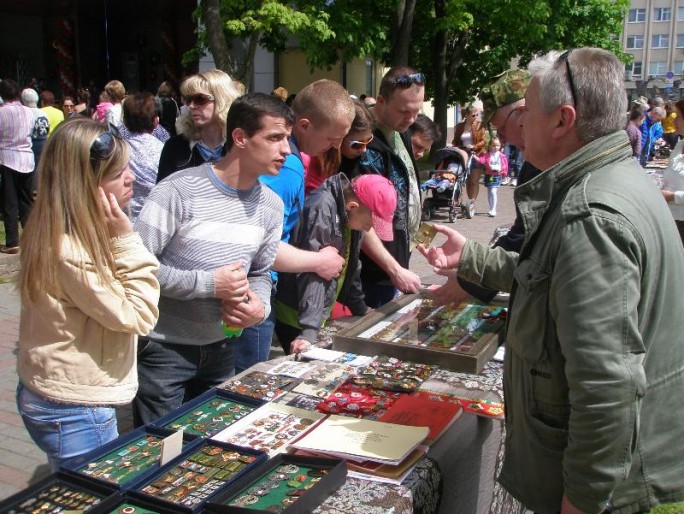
{"points": [[215, 230]]}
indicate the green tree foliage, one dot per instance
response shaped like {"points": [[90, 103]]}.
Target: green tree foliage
{"points": [[232, 29], [459, 44], [462, 44]]}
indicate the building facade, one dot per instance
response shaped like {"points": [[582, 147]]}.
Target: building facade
{"points": [[654, 36]]}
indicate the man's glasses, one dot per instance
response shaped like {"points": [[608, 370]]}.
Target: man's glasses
{"points": [[405, 81], [357, 145], [198, 99], [104, 144], [508, 117], [565, 56], [69, 106]]}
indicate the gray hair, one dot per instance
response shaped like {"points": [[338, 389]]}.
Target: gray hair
{"points": [[29, 97], [660, 111], [598, 79]]}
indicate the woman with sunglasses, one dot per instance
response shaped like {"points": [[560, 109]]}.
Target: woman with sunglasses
{"points": [[202, 125], [68, 107], [345, 159], [469, 135], [88, 287]]}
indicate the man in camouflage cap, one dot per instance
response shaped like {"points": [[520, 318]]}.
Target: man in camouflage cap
{"points": [[508, 90], [502, 101]]}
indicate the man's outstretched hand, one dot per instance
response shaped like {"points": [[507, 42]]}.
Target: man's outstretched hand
{"points": [[447, 256]]}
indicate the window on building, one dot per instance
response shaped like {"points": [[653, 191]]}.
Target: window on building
{"points": [[678, 68], [662, 14], [680, 40], [680, 13], [657, 68], [633, 69], [635, 42], [637, 15], [660, 41]]}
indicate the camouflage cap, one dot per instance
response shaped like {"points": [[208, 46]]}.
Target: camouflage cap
{"points": [[508, 87]]}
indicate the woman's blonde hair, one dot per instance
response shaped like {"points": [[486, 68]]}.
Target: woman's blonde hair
{"points": [[68, 204], [216, 83]]}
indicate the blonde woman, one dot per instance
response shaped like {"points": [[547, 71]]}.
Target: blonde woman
{"points": [[202, 125], [88, 287]]}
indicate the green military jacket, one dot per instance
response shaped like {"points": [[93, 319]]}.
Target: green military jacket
{"points": [[594, 367]]}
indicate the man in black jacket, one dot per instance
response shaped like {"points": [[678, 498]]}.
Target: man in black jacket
{"points": [[384, 270]]}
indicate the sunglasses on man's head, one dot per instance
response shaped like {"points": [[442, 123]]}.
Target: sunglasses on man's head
{"points": [[199, 99], [357, 145], [104, 144], [405, 81]]}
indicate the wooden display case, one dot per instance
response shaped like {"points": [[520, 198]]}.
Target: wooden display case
{"points": [[459, 338]]}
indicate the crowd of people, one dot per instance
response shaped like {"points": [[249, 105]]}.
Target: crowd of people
{"points": [[160, 259]]}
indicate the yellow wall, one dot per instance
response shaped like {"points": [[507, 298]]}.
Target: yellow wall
{"points": [[293, 73]]}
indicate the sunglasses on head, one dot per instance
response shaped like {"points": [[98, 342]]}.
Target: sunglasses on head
{"points": [[103, 146], [198, 99], [405, 81], [357, 145], [565, 57]]}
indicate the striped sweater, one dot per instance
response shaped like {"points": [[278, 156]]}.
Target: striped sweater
{"points": [[195, 224]]}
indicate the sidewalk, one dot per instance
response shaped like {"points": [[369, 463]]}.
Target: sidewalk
{"points": [[22, 463]]}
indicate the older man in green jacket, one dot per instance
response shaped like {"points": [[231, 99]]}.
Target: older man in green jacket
{"points": [[594, 367]]}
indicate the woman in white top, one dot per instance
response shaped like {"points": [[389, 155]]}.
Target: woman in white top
{"points": [[469, 135], [673, 176]]}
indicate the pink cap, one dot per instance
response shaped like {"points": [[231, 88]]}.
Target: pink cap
{"points": [[378, 194]]}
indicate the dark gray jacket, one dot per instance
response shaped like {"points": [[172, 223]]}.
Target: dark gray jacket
{"points": [[305, 298]]}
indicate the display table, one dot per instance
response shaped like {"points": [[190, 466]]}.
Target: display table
{"points": [[459, 473]]}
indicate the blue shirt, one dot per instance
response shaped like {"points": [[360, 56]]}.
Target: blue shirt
{"points": [[289, 186]]}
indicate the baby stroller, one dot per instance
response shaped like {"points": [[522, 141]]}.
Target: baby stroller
{"points": [[450, 163]]}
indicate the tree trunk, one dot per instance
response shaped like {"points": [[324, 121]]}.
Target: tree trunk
{"points": [[249, 63], [211, 16], [439, 72], [400, 32]]}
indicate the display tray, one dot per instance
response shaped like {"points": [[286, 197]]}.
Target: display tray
{"points": [[58, 492], [285, 483], [458, 338], [119, 504], [188, 481], [126, 461], [209, 413]]}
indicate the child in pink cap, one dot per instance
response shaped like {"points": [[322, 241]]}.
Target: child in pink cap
{"points": [[335, 214]]}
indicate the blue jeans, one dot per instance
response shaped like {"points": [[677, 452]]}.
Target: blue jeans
{"points": [[377, 295], [65, 431], [254, 345], [172, 374]]}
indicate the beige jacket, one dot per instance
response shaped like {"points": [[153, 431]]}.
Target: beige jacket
{"points": [[82, 348]]}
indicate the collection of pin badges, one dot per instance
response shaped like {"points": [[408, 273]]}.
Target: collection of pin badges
{"points": [[198, 477], [125, 463], [211, 417], [55, 498], [278, 489], [260, 385]]}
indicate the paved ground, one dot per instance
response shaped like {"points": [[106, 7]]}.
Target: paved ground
{"points": [[22, 463]]}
